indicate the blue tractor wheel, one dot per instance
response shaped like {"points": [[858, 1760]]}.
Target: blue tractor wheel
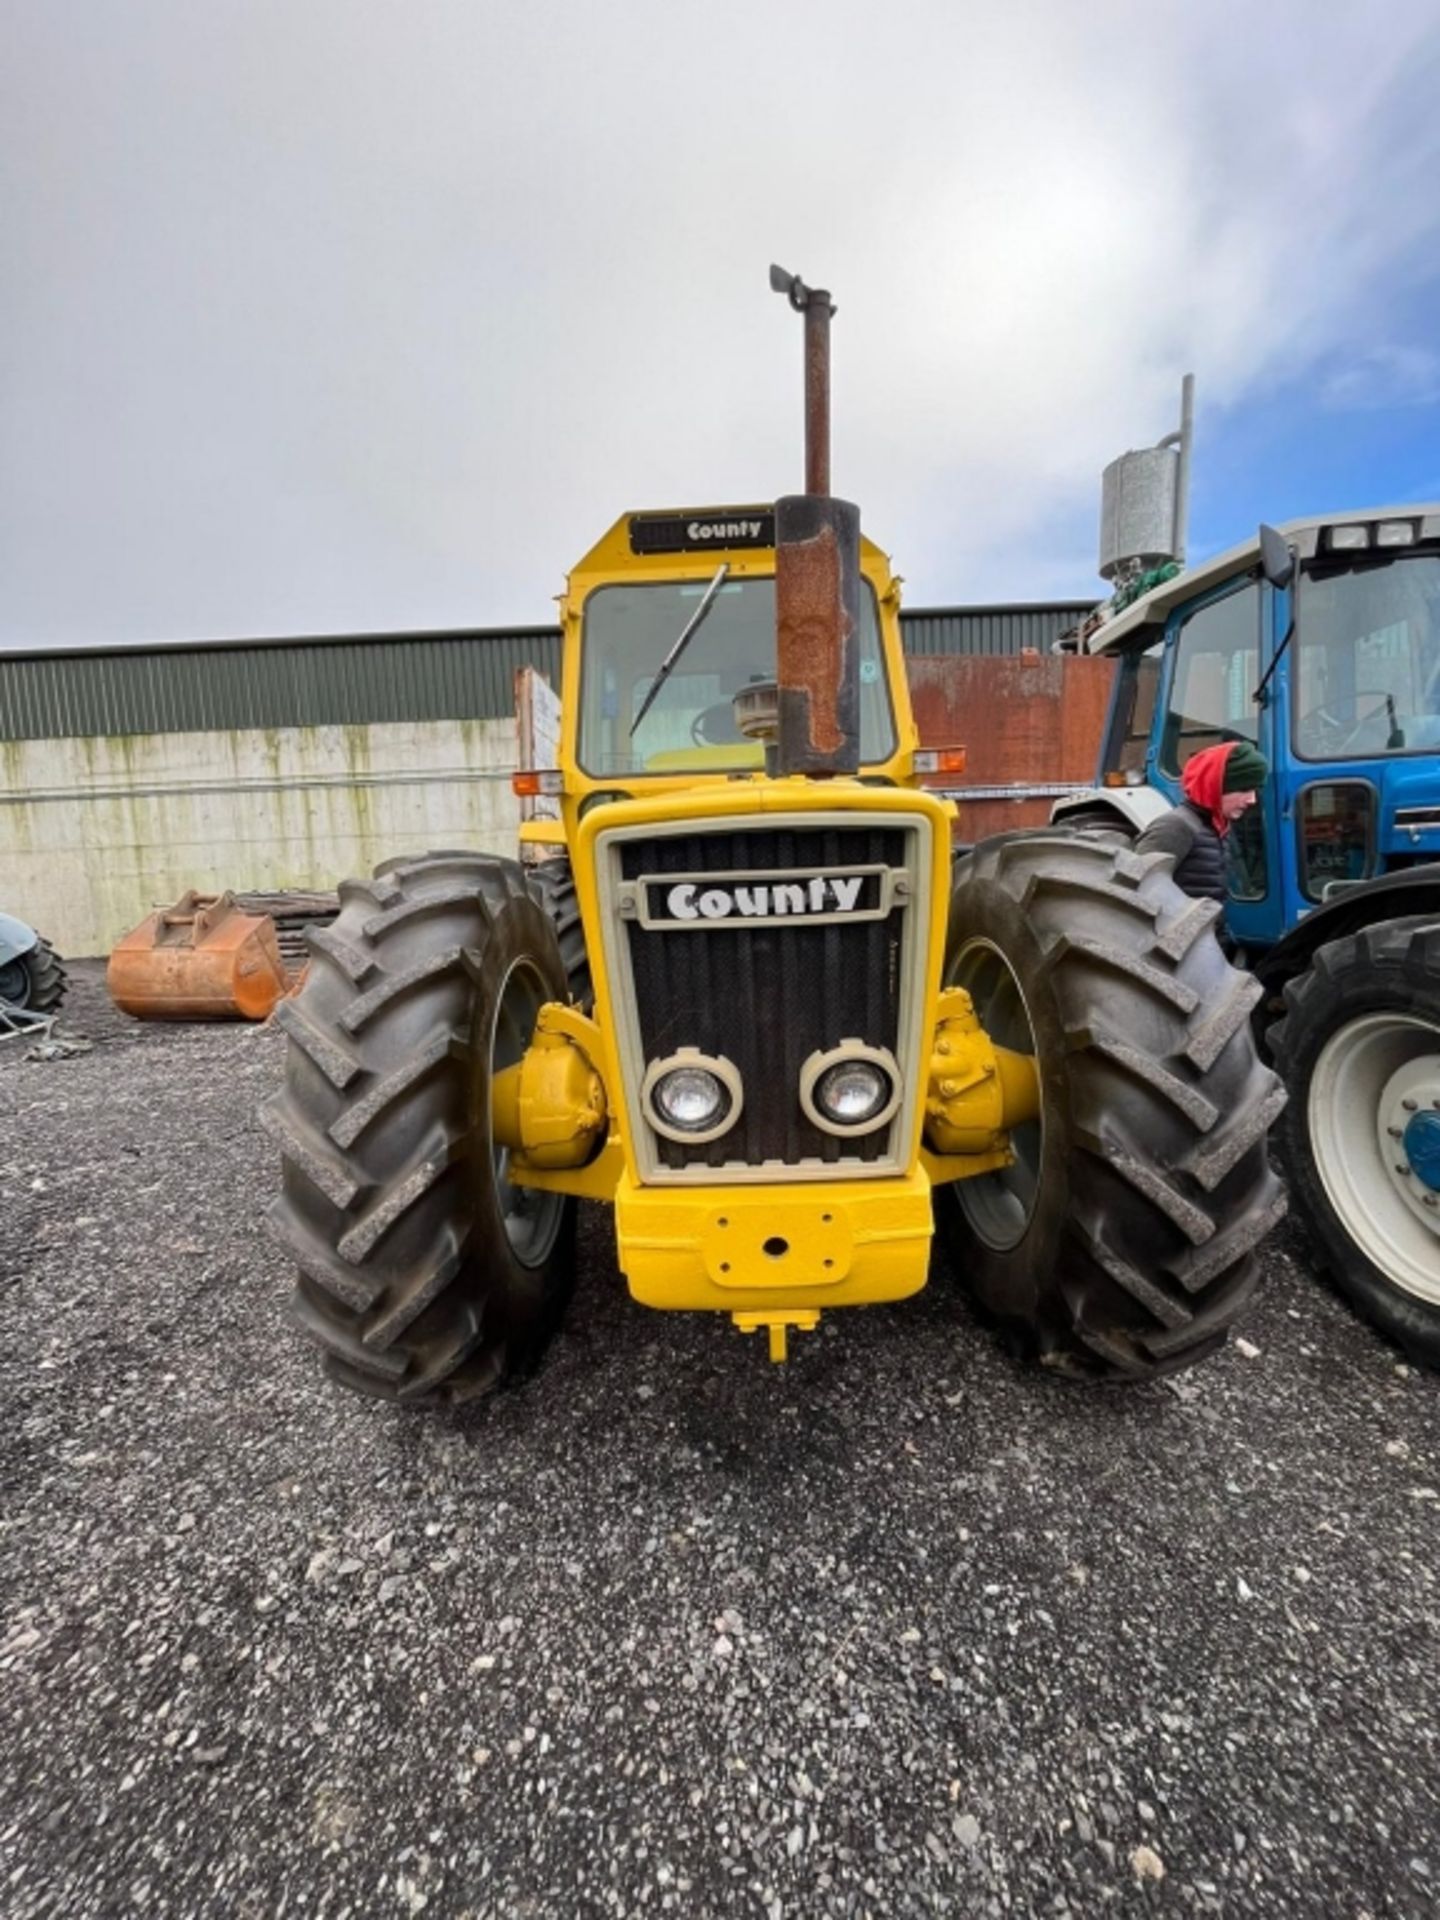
{"points": [[1359, 1050]]}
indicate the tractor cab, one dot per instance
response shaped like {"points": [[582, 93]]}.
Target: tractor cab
{"points": [[1335, 624], [670, 636]]}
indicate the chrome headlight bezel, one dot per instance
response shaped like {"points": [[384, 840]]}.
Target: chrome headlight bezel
{"points": [[690, 1059], [850, 1053]]}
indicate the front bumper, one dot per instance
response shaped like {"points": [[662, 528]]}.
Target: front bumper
{"points": [[766, 1250]]}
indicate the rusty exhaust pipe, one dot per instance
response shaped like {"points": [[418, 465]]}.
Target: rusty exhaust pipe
{"points": [[817, 580]]}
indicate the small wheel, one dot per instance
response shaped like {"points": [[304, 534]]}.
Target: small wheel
{"points": [[425, 1272], [35, 981], [1121, 1241], [1359, 1048]]}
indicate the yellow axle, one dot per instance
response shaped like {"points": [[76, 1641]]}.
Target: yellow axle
{"points": [[770, 1254], [978, 1092]]}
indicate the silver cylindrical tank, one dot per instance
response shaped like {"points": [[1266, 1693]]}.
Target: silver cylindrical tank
{"points": [[1137, 511]]}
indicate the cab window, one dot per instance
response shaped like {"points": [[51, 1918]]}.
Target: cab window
{"points": [[1368, 676], [1247, 869], [689, 724], [1336, 823], [1128, 742], [1217, 668]]}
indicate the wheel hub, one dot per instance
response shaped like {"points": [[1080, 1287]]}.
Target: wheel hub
{"points": [[1422, 1149], [1409, 1115], [532, 1217], [1000, 1206]]}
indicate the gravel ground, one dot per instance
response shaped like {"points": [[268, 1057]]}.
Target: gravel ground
{"points": [[904, 1628]]}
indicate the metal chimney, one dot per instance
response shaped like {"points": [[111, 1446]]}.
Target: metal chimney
{"points": [[817, 579]]}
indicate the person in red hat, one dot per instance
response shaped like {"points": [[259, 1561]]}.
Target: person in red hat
{"points": [[1220, 783]]}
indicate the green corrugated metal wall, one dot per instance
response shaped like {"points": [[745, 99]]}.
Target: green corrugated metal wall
{"points": [[355, 681], [295, 683], [990, 630]]}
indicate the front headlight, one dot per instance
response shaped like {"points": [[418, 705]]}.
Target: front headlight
{"points": [[691, 1096], [852, 1092], [690, 1099], [851, 1089]]}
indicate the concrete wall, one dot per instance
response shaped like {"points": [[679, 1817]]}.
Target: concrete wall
{"points": [[96, 832]]}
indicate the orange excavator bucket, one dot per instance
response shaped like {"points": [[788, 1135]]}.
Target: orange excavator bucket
{"points": [[202, 959]]}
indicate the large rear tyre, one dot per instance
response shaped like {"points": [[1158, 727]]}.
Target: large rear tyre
{"points": [[1359, 1050], [553, 885], [424, 1274], [1121, 1243], [36, 981]]}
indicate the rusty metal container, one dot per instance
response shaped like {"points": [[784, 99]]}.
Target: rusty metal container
{"points": [[202, 959], [1031, 724]]}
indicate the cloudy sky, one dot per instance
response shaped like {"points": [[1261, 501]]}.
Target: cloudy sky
{"points": [[327, 315]]}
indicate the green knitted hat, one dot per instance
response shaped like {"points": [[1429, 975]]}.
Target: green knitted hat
{"points": [[1245, 769]]}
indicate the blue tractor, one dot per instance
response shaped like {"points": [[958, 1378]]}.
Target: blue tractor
{"points": [[1320, 643]]}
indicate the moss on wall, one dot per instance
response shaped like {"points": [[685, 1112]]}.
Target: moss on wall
{"points": [[94, 831]]}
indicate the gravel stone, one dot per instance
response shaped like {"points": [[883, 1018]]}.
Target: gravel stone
{"points": [[1146, 1864], [268, 1648]]}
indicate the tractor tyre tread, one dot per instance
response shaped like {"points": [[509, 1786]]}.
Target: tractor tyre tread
{"points": [[1154, 1186], [48, 980], [408, 1281], [553, 884]]}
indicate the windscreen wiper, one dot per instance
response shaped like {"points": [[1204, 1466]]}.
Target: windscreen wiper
{"points": [[692, 626]]}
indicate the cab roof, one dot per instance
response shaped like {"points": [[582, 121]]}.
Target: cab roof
{"points": [[661, 539], [1140, 623]]}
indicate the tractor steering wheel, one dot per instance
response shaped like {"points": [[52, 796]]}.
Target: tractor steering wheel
{"points": [[714, 726], [1322, 719]]}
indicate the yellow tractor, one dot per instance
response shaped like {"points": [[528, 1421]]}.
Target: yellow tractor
{"points": [[749, 999]]}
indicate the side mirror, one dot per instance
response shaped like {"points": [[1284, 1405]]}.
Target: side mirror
{"points": [[1277, 562]]}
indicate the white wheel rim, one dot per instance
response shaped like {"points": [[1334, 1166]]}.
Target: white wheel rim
{"points": [[1000, 1206], [1372, 1078]]}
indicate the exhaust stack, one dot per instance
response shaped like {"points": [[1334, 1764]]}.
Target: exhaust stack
{"points": [[817, 580]]}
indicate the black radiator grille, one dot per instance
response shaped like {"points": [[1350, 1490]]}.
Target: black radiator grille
{"points": [[767, 995]]}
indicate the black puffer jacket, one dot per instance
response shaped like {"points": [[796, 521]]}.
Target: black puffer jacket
{"points": [[1189, 833]]}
